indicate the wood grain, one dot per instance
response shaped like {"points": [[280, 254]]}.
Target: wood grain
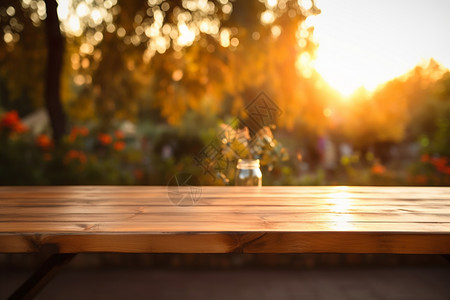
{"points": [[226, 219]]}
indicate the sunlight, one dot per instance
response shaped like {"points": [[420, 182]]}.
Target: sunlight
{"points": [[187, 35], [306, 4], [267, 17], [272, 3], [340, 201], [305, 64], [96, 16], [63, 9], [74, 25], [366, 43], [82, 9]]}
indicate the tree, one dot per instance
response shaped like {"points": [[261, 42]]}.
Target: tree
{"points": [[55, 46], [178, 55], [401, 110], [240, 58], [20, 36]]}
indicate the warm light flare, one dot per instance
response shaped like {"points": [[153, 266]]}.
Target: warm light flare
{"points": [[366, 43], [339, 202]]}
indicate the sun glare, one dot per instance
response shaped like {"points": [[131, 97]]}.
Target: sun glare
{"points": [[366, 43]]}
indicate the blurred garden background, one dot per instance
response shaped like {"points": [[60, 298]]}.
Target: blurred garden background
{"points": [[130, 92]]}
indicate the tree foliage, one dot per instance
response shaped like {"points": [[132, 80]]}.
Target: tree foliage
{"points": [[404, 109], [122, 58]]}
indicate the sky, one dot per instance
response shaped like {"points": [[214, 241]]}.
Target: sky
{"points": [[368, 42]]}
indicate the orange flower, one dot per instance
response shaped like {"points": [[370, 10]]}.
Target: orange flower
{"points": [[76, 131], [119, 134], [20, 128], [83, 131], [105, 139], [75, 155], [425, 158], [73, 134], [119, 146], [378, 169], [44, 142]]}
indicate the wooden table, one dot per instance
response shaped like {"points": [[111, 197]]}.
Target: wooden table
{"points": [[76, 219]]}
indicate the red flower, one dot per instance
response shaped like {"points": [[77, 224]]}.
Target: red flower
{"points": [[11, 120], [76, 131], [105, 139], [44, 142], [119, 146], [443, 169], [119, 134], [446, 170], [439, 161], [75, 155]]}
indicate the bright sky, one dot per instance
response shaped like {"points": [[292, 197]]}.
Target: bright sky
{"points": [[368, 42]]}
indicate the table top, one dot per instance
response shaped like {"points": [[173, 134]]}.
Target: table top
{"points": [[138, 219]]}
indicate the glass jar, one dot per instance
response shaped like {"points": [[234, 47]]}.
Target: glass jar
{"points": [[248, 173]]}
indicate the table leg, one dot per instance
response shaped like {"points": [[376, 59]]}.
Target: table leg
{"points": [[36, 282]]}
